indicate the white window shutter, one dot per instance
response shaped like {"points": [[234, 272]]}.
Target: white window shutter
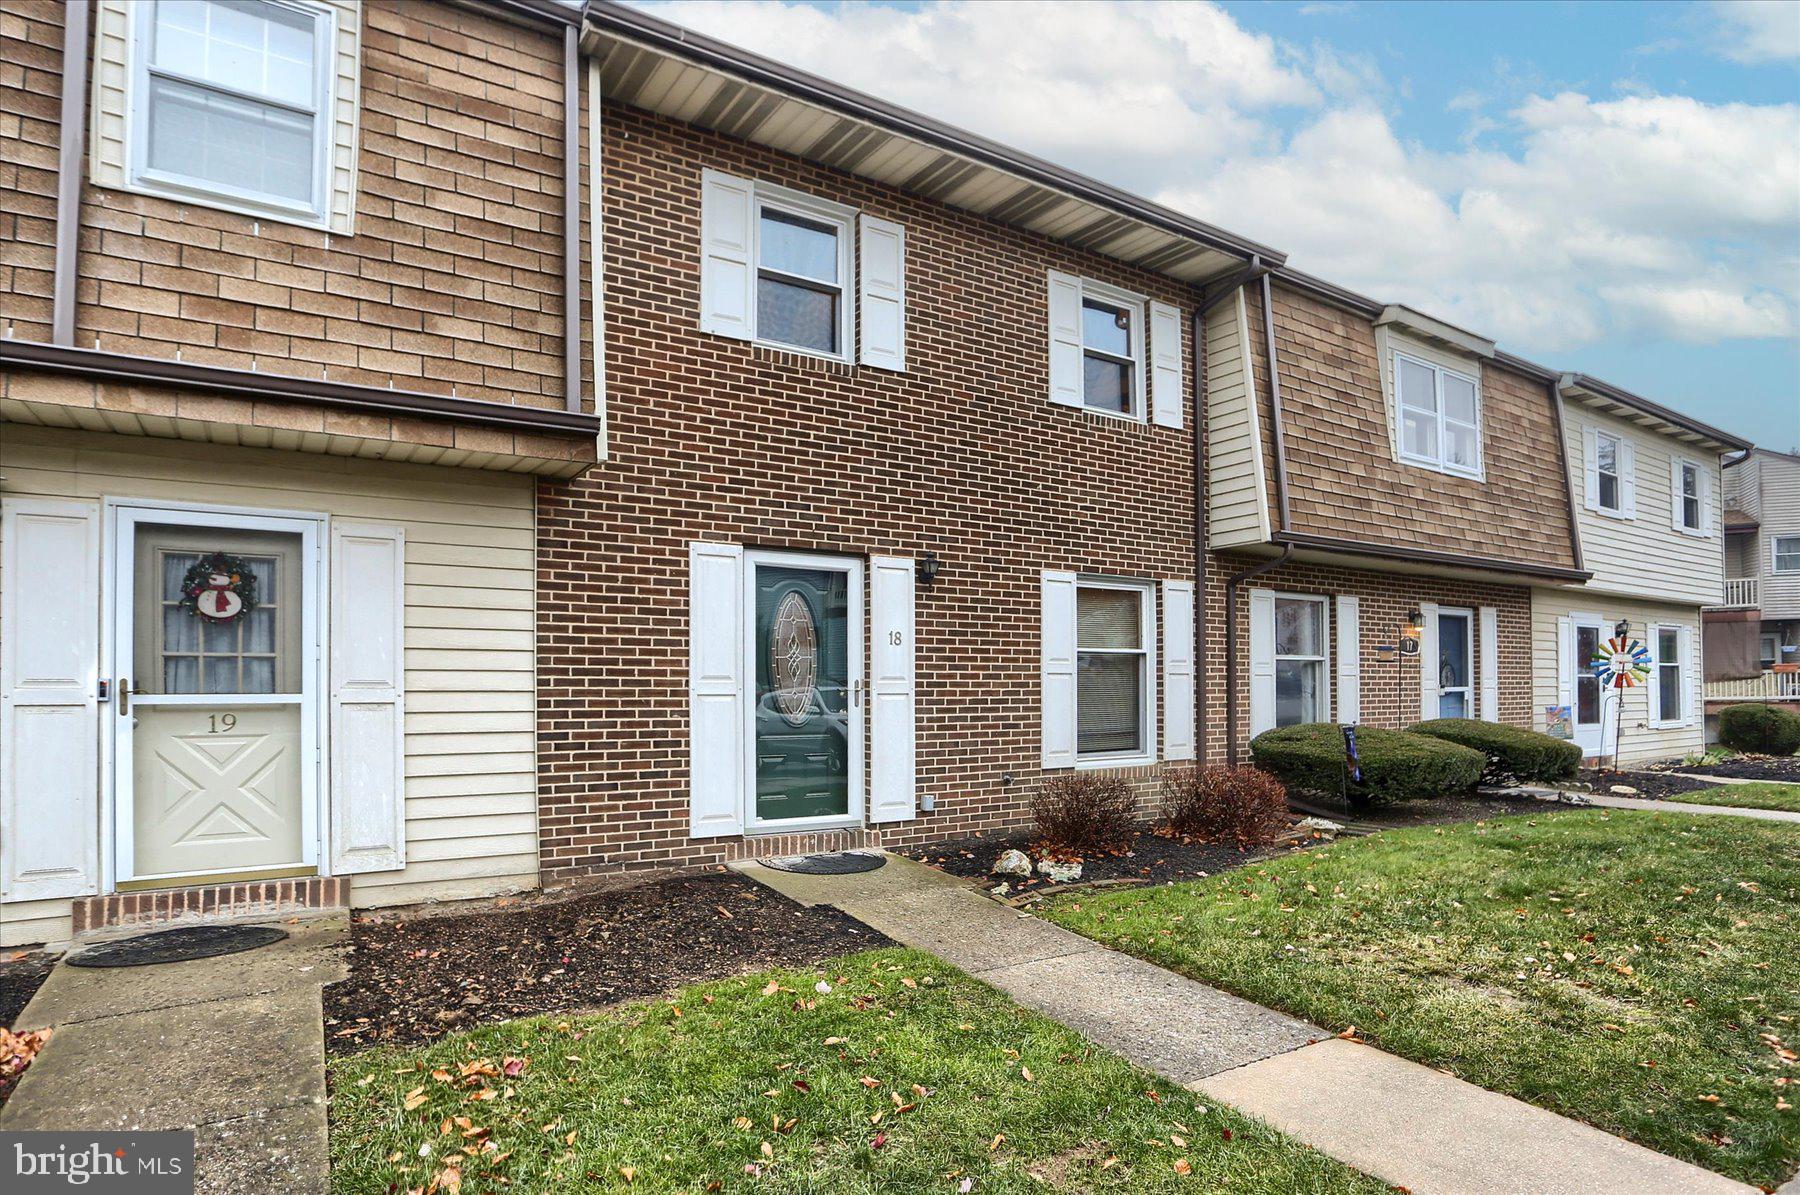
{"points": [[727, 244], [1690, 672], [1675, 503], [715, 689], [1565, 663], [1059, 670], [1429, 664], [883, 293], [1262, 661], [368, 699], [1706, 502], [1349, 660], [1165, 365], [1178, 669], [1065, 339], [891, 689], [1653, 688], [1590, 469], [1488, 621], [49, 715], [1627, 479]]}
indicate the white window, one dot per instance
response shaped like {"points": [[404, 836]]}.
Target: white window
{"points": [[1687, 495], [1300, 691], [1785, 554], [1669, 690], [1608, 449], [1771, 649], [1114, 703], [1112, 352], [1440, 416], [802, 270], [233, 103]]}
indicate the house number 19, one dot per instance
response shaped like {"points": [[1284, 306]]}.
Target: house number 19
{"points": [[218, 722]]}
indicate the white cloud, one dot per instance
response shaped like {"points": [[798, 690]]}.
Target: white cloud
{"points": [[1758, 31], [1645, 214]]}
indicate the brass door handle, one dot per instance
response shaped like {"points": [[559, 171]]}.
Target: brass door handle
{"points": [[124, 696]]}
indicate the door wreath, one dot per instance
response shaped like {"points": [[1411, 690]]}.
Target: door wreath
{"points": [[219, 588]]}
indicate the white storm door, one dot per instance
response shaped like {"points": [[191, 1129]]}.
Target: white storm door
{"points": [[1589, 698], [1456, 663], [215, 701]]}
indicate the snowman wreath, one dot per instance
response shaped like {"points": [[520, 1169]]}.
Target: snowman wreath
{"points": [[218, 588]]}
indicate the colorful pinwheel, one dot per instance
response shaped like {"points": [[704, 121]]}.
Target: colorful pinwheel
{"points": [[1621, 663]]}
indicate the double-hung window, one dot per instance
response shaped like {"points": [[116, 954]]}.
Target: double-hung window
{"points": [[1608, 449], [1111, 353], [1440, 416], [233, 102], [1687, 500], [1785, 554], [1113, 702], [1301, 695], [1671, 675], [802, 264]]}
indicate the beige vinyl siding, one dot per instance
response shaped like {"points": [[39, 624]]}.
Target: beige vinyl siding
{"points": [[469, 650], [108, 115], [1646, 556], [1742, 484], [1237, 499], [1778, 478], [1640, 741]]}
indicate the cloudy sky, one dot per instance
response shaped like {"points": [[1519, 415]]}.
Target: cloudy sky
{"points": [[1612, 188]]}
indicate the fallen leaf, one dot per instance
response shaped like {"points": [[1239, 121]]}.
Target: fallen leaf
{"points": [[1182, 1166]]}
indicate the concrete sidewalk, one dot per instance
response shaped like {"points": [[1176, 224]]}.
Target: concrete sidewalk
{"points": [[1406, 1124], [232, 1047], [1610, 801]]}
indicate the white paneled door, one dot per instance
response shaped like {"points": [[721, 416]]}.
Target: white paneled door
{"points": [[216, 662]]}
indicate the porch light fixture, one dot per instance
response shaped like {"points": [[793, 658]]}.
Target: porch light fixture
{"points": [[1415, 624], [926, 570], [1622, 629]]}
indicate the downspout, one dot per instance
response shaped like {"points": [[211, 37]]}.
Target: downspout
{"points": [[572, 217], [1287, 549], [73, 137], [1255, 270]]}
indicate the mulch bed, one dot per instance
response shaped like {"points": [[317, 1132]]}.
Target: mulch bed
{"points": [[1652, 786], [20, 978], [1152, 860], [1784, 768], [415, 980], [1438, 811]]}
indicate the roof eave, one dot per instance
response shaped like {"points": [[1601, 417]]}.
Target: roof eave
{"points": [[1711, 437]]}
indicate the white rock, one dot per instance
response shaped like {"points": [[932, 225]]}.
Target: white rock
{"points": [[1013, 863], [1624, 790], [1323, 825], [1002, 889], [1059, 873]]}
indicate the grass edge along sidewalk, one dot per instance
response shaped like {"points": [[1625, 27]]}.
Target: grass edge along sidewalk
{"points": [[1631, 970], [1756, 794], [886, 1070]]}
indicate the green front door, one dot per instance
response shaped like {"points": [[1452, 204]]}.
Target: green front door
{"points": [[803, 711]]}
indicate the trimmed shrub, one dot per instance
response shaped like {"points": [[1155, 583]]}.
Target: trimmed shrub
{"points": [[1241, 806], [1086, 813], [1764, 729], [1513, 754], [1396, 765]]}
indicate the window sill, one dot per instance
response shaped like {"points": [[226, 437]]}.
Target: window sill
{"points": [[223, 203], [1607, 513], [1095, 763], [1413, 462]]}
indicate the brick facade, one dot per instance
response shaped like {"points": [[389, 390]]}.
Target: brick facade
{"points": [[712, 438], [1389, 692]]}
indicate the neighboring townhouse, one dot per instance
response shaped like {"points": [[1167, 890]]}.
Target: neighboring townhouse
{"points": [[1762, 563], [1646, 484], [1380, 505], [287, 341], [898, 514]]}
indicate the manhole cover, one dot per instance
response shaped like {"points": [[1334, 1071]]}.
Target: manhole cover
{"points": [[841, 864], [177, 945]]}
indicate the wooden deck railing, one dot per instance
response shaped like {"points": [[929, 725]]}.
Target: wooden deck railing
{"points": [[1770, 686]]}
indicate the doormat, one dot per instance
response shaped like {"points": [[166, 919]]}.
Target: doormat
{"points": [[177, 945], [842, 863]]}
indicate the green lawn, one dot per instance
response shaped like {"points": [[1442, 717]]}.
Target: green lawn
{"points": [[906, 1076], [1634, 970], [1763, 794]]}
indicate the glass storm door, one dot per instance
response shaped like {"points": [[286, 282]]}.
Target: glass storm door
{"points": [[806, 718], [215, 696], [1586, 687], [1455, 664]]}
